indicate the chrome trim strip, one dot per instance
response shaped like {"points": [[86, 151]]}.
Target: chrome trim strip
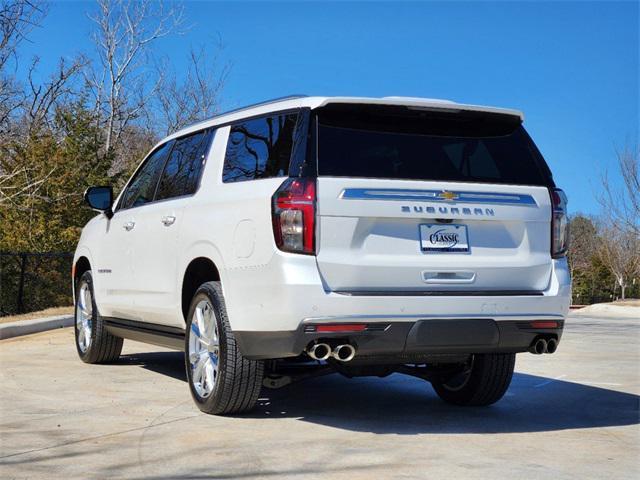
{"points": [[439, 293], [404, 318], [492, 198]]}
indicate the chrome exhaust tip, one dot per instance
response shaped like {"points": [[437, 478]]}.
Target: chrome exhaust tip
{"points": [[538, 347], [552, 345], [319, 351], [344, 352]]}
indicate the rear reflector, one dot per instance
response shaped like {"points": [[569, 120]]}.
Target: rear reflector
{"points": [[344, 327], [544, 324]]}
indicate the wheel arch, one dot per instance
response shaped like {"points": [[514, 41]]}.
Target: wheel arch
{"points": [[198, 271], [80, 265]]}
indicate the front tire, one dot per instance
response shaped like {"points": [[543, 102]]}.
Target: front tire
{"points": [[93, 342], [483, 381], [221, 380]]}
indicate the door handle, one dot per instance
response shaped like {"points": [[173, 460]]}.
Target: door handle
{"points": [[129, 226], [168, 220]]}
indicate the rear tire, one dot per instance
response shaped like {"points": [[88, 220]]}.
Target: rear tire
{"points": [[93, 342], [483, 382], [221, 380]]}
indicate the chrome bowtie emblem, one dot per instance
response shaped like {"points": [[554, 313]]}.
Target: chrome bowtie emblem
{"points": [[448, 196]]}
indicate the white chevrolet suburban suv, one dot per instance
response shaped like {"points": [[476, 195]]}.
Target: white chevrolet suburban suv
{"points": [[312, 235]]}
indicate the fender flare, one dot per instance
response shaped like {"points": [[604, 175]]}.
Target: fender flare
{"points": [[81, 251]]}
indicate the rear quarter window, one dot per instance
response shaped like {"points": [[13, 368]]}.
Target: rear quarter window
{"points": [[259, 148]]}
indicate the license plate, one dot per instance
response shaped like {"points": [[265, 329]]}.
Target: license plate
{"points": [[444, 238]]}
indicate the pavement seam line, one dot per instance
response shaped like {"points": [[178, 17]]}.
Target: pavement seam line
{"points": [[97, 437]]}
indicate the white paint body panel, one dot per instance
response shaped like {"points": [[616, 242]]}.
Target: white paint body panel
{"points": [[155, 262], [362, 245], [373, 245], [109, 247]]}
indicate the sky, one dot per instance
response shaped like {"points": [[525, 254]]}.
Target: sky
{"points": [[571, 67]]}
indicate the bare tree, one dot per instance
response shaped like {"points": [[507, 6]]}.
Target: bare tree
{"points": [[196, 96], [17, 19], [20, 182], [20, 111], [18, 179], [583, 245], [620, 253], [622, 204], [44, 97], [123, 81]]}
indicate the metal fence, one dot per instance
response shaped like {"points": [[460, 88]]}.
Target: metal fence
{"points": [[34, 281]]}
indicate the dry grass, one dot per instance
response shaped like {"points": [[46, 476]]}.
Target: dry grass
{"points": [[49, 312]]}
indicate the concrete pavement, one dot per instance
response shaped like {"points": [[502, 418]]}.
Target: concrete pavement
{"points": [[571, 415]]}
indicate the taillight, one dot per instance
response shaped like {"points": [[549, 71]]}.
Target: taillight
{"points": [[559, 224], [294, 214]]}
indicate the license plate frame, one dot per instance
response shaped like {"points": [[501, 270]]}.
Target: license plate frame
{"points": [[444, 238]]}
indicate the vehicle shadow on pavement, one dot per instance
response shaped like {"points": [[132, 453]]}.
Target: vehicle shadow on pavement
{"points": [[170, 364], [405, 405]]}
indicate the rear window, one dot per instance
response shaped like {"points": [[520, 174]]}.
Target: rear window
{"points": [[400, 143]]}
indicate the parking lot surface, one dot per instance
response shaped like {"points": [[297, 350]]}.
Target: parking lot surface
{"points": [[574, 414]]}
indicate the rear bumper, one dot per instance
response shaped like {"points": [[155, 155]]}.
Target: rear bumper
{"points": [[288, 294], [404, 341]]}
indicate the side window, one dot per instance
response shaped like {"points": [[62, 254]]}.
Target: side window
{"points": [[142, 186], [182, 171], [259, 148]]}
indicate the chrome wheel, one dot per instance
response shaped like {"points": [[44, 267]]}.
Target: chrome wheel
{"points": [[84, 316], [204, 349]]}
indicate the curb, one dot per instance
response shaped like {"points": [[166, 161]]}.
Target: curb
{"points": [[26, 327]]}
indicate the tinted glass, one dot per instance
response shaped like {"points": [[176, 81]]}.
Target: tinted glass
{"points": [[142, 187], [182, 171], [259, 148], [413, 146]]}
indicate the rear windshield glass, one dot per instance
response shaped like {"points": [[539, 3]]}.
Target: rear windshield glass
{"points": [[399, 143]]}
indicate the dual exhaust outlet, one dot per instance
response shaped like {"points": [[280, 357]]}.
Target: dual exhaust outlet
{"points": [[322, 351], [540, 346], [346, 352]]}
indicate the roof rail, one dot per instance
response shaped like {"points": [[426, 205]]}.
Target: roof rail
{"points": [[259, 104]]}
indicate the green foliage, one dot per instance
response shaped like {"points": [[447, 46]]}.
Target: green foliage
{"points": [[55, 163], [50, 215], [45, 282]]}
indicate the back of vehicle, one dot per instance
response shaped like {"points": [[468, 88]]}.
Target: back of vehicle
{"points": [[437, 230]]}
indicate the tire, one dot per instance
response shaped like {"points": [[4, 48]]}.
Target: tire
{"points": [[484, 381], [93, 342], [221, 380]]}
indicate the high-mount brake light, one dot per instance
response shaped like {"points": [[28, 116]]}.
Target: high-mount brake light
{"points": [[293, 213], [559, 224]]}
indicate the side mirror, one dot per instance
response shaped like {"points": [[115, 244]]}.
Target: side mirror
{"points": [[100, 199]]}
